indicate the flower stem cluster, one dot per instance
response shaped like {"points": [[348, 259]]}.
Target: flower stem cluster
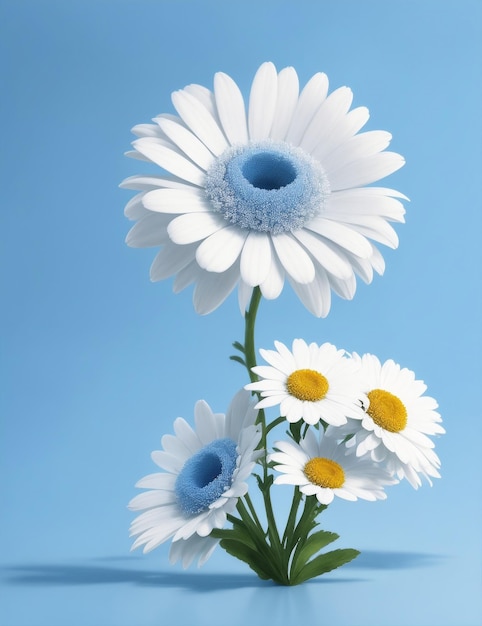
{"points": [[254, 197]]}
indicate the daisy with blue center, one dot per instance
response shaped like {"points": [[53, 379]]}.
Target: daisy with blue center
{"points": [[266, 194], [204, 475]]}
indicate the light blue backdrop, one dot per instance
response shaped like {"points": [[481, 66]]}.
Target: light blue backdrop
{"points": [[97, 362]]}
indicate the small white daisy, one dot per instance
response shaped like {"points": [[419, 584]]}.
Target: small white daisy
{"points": [[398, 421], [311, 382], [254, 196], [320, 467], [204, 474]]}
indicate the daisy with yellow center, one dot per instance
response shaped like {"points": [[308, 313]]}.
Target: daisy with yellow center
{"points": [[319, 466], [310, 382], [398, 421]]}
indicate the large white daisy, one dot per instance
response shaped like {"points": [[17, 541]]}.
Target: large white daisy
{"points": [[320, 467], [253, 196], [398, 420], [310, 382], [204, 475]]}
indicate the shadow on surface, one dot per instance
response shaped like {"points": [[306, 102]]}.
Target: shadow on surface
{"points": [[380, 559], [78, 574]]}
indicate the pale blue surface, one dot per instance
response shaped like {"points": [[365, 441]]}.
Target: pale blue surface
{"points": [[98, 362]]}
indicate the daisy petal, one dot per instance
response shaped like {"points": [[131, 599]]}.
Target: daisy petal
{"points": [[200, 121], [293, 258], [219, 251], [230, 106], [262, 102]]}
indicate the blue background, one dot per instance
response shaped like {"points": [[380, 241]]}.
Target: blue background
{"points": [[98, 361]]}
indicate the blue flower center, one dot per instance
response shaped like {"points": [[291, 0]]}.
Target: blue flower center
{"points": [[206, 476], [267, 186]]}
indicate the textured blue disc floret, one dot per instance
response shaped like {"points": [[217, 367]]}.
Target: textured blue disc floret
{"points": [[267, 186], [206, 476]]}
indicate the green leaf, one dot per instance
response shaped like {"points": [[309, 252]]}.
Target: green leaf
{"points": [[311, 546], [234, 535], [274, 423], [295, 430], [238, 359], [325, 563], [238, 346], [263, 486], [250, 556]]}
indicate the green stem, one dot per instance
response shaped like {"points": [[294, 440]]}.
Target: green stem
{"points": [[290, 524], [250, 354], [250, 320], [253, 512]]}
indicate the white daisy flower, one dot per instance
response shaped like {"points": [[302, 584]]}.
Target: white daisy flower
{"points": [[320, 467], [252, 196], [311, 382], [204, 474], [398, 421]]}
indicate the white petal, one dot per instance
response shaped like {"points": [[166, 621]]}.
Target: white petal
{"points": [[255, 258], [192, 227], [167, 461], [272, 286], [158, 481], [153, 181], [293, 258], [200, 121], [230, 106], [375, 228], [205, 423], [188, 275], [262, 102], [366, 170], [244, 296], [293, 450], [316, 296], [171, 259], [360, 201], [287, 99], [187, 142], [212, 289], [311, 97], [357, 147], [329, 258], [146, 130], [205, 97], [134, 209], [184, 431], [219, 251], [134, 154], [290, 479], [176, 201], [346, 127], [175, 446], [342, 235], [170, 160], [150, 499], [149, 231], [321, 126]]}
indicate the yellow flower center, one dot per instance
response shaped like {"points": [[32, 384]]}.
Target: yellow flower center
{"points": [[386, 410], [324, 472], [307, 385]]}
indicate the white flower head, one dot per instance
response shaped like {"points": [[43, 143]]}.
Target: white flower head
{"points": [[310, 382], [252, 196], [320, 467], [398, 420], [204, 475]]}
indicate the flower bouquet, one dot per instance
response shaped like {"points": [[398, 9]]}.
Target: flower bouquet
{"points": [[255, 197]]}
